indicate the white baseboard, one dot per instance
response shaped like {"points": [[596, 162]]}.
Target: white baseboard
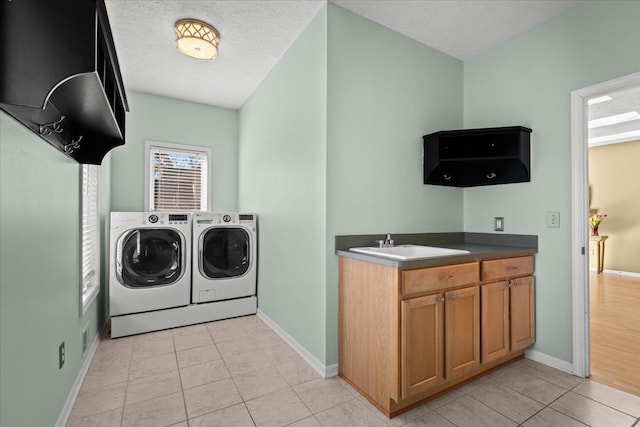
{"points": [[553, 362], [318, 366], [622, 273], [73, 394]]}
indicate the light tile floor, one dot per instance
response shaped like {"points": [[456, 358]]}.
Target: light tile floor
{"points": [[238, 372]]}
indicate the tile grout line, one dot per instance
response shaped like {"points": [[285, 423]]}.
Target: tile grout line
{"points": [[184, 399]]}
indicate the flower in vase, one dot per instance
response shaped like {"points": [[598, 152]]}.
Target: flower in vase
{"points": [[595, 220]]}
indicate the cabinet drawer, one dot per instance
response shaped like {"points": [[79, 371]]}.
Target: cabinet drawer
{"points": [[432, 279], [507, 267]]}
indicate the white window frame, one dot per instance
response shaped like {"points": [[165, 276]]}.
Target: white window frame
{"points": [[188, 149], [89, 235]]}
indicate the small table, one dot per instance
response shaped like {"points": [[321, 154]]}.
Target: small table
{"points": [[596, 251]]}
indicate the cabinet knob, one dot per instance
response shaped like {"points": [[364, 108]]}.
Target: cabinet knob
{"points": [[515, 283], [452, 297], [441, 299], [491, 175]]}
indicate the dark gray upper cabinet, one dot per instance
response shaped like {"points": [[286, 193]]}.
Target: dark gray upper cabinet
{"points": [[474, 157], [59, 75]]}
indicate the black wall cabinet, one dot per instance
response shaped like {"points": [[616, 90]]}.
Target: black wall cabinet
{"points": [[59, 75], [474, 157]]}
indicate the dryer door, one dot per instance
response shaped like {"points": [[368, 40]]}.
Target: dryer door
{"points": [[149, 257], [224, 252]]}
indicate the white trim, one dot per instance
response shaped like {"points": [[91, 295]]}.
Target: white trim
{"points": [[63, 417], [579, 211], [318, 366], [622, 273], [545, 359]]}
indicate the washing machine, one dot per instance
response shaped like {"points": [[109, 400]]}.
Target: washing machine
{"points": [[224, 256], [150, 261]]}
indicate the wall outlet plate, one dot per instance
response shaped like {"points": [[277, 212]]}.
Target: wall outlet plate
{"points": [[553, 219], [498, 223]]}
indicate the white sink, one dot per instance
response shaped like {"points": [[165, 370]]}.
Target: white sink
{"points": [[407, 252]]}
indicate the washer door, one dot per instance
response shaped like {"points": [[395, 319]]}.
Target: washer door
{"points": [[149, 257], [224, 252]]}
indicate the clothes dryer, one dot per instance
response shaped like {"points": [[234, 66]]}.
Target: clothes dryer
{"points": [[150, 261], [224, 256]]}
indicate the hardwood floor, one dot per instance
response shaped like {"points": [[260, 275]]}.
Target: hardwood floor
{"points": [[615, 331]]}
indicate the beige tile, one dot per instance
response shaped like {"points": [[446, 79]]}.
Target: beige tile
{"points": [[97, 379], [236, 416], [153, 336], [117, 345], [307, 422], [402, 419], [191, 329], [110, 418], [297, 371], [551, 418], [196, 339], [623, 402], [508, 402], [466, 411], [280, 353], [250, 322], [267, 339], [474, 385], [446, 398], [198, 355], [153, 365], [247, 362], [196, 375], [430, 419], [236, 346], [258, 383], [531, 386], [225, 330], [152, 386], [211, 397], [277, 409], [97, 401], [181, 424], [322, 394], [352, 413], [554, 376], [152, 347], [161, 411], [590, 412]]}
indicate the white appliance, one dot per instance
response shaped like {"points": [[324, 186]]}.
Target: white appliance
{"points": [[150, 262], [224, 256]]}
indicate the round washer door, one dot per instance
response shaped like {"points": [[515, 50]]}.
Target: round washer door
{"points": [[150, 257], [224, 252]]}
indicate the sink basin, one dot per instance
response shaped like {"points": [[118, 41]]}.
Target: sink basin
{"points": [[408, 252]]}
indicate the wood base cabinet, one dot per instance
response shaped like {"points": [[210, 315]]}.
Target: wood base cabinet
{"points": [[406, 335]]}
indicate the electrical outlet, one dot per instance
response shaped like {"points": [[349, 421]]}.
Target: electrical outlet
{"points": [[61, 355], [553, 219], [498, 223]]}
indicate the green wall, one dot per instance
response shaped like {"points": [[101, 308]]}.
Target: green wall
{"points": [[384, 92], [528, 81], [283, 179], [163, 119], [40, 276]]}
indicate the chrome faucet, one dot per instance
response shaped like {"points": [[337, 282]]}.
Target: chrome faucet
{"points": [[386, 243]]}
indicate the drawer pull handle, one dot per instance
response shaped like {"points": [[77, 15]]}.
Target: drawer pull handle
{"points": [[512, 267], [450, 277]]}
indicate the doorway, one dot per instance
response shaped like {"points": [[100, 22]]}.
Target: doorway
{"points": [[580, 212]]}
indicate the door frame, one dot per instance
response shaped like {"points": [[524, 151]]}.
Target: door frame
{"points": [[579, 215]]}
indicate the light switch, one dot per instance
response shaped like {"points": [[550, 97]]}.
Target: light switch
{"points": [[553, 219], [498, 223]]}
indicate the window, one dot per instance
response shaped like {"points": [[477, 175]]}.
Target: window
{"points": [[90, 279], [176, 177]]}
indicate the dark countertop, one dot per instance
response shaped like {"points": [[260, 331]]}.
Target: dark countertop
{"points": [[481, 246]]}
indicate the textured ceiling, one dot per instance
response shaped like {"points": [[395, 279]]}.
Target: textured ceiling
{"points": [[255, 34]]}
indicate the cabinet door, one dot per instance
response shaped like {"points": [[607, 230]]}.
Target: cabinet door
{"points": [[495, 321], [422, 343], [522, 312], [462, 331]]}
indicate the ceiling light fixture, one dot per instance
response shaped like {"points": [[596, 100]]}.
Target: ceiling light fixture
{"points": [[599, 99], [197, 39]]}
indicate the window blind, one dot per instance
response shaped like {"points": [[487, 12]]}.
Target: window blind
{"points": [[90, 232], [178, 179]]}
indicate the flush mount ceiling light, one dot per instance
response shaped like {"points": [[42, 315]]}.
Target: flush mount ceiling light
{"points": [[197, 39]]}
